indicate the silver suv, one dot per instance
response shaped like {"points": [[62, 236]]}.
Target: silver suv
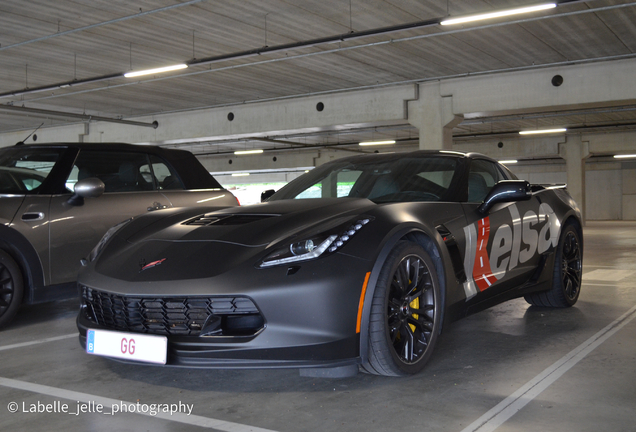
{"points": [[58, 200]]}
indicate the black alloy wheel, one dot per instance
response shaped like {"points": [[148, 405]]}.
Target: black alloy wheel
{"points": [[571, 266], [10, 288], [567, 273], [405, 313]]}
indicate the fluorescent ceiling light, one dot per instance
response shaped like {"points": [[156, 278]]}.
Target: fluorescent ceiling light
{"points": [[246, 152], [625, 156], [155, 71], [240, 174], [370, 143], [497, 14], [511, 161], [542, 131]]}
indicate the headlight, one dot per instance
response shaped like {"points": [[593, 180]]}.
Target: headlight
{"points": [[314, 247], [100, 246]]}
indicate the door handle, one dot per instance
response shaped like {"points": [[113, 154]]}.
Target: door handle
{"points": [[32, 216], [157, 206]]}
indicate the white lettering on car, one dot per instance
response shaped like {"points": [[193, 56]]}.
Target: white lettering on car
{"points": [[512, 244]]}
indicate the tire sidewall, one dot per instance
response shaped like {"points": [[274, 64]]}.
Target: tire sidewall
{"points": [[402, 250], [558, 270]]}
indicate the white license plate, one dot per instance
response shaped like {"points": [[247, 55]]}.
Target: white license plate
{"points": [[128, 346]]}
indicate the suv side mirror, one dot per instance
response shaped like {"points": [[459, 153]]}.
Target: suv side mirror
{"points": [[265, 195], [87, 188], [506, 191]]}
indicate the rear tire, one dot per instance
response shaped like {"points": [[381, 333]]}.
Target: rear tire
{"points": [[11, 288], [405, 313], [568, 268]]}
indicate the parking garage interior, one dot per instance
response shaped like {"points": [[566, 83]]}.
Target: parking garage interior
{"points": [[272, 89]]}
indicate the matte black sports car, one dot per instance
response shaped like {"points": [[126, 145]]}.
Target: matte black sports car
{"points": [[356, 264]]}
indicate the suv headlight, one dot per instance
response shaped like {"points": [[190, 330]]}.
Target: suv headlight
{"points": [[314, 247], [102, 243]]}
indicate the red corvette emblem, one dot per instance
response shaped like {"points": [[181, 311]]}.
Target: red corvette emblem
{"points": [[152, 264]]}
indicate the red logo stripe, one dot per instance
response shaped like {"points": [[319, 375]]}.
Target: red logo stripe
{"points": [[482, 274]]}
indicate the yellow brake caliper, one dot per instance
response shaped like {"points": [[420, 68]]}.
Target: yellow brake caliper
{"points": [[415, 304]]}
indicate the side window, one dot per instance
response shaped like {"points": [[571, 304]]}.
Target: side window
{"points": [[164, 174], [483, 175], [338, 184], [24, 169], [120, 171]]}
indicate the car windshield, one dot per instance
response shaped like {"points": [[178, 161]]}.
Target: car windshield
{"points": [[23, 170], [381, 180]]}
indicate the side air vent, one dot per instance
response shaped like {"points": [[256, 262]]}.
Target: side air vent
{"points": [[208, 220], [203, 220]]}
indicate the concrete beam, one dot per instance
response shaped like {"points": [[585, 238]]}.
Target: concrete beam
{"points": [[611, 143], [248, 163], [513, 147], [592, 84], [383, 106]]}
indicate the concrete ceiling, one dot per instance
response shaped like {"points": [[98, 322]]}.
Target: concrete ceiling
{"points": [[68, 55]]}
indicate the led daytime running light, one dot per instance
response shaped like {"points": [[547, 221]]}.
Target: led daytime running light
{"points": [[347, 235]]}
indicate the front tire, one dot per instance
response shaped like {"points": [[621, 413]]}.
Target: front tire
{"points": [[567, 273], [405, 313], [11, 288]]}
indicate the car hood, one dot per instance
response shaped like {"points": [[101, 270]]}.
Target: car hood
{"points": [[207, 244], [252, 226]]}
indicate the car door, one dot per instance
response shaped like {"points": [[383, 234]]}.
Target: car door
{"points": [[75, 229], [503, 247]]}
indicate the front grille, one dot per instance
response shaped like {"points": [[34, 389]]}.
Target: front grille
{"points": [[185, 316]]}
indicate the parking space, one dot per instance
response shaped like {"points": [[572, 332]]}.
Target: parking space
{"points": [[510, 368]]}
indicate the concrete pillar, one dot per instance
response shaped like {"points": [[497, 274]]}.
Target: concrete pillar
{"points": [[575, 151], [433, 115]]}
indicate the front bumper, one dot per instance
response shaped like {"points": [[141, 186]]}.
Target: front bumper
{"points": [[309, 315]]}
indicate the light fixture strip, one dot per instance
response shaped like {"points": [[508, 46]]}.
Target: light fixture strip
{"points": [[240, 174], [371, 143], [511, 161], [247, 152], [624, 156], [156, 70], [497, 14], [542, 131]]}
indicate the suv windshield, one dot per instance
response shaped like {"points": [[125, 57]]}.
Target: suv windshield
{"points": [[23, 170], [402, 179]]}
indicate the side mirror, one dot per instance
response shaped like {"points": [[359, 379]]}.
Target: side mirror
{"points": [[267, 194], [87, 188], [506, 191]]}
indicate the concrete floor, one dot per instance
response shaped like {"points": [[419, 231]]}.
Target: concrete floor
{"points": [[511, 368]]}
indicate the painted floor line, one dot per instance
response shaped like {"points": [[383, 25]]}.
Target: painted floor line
{"points": [[39, 341], [178, 417], [519, 399]]}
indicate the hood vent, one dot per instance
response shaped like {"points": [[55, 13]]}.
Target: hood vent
{"points": [[208, 220]]}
